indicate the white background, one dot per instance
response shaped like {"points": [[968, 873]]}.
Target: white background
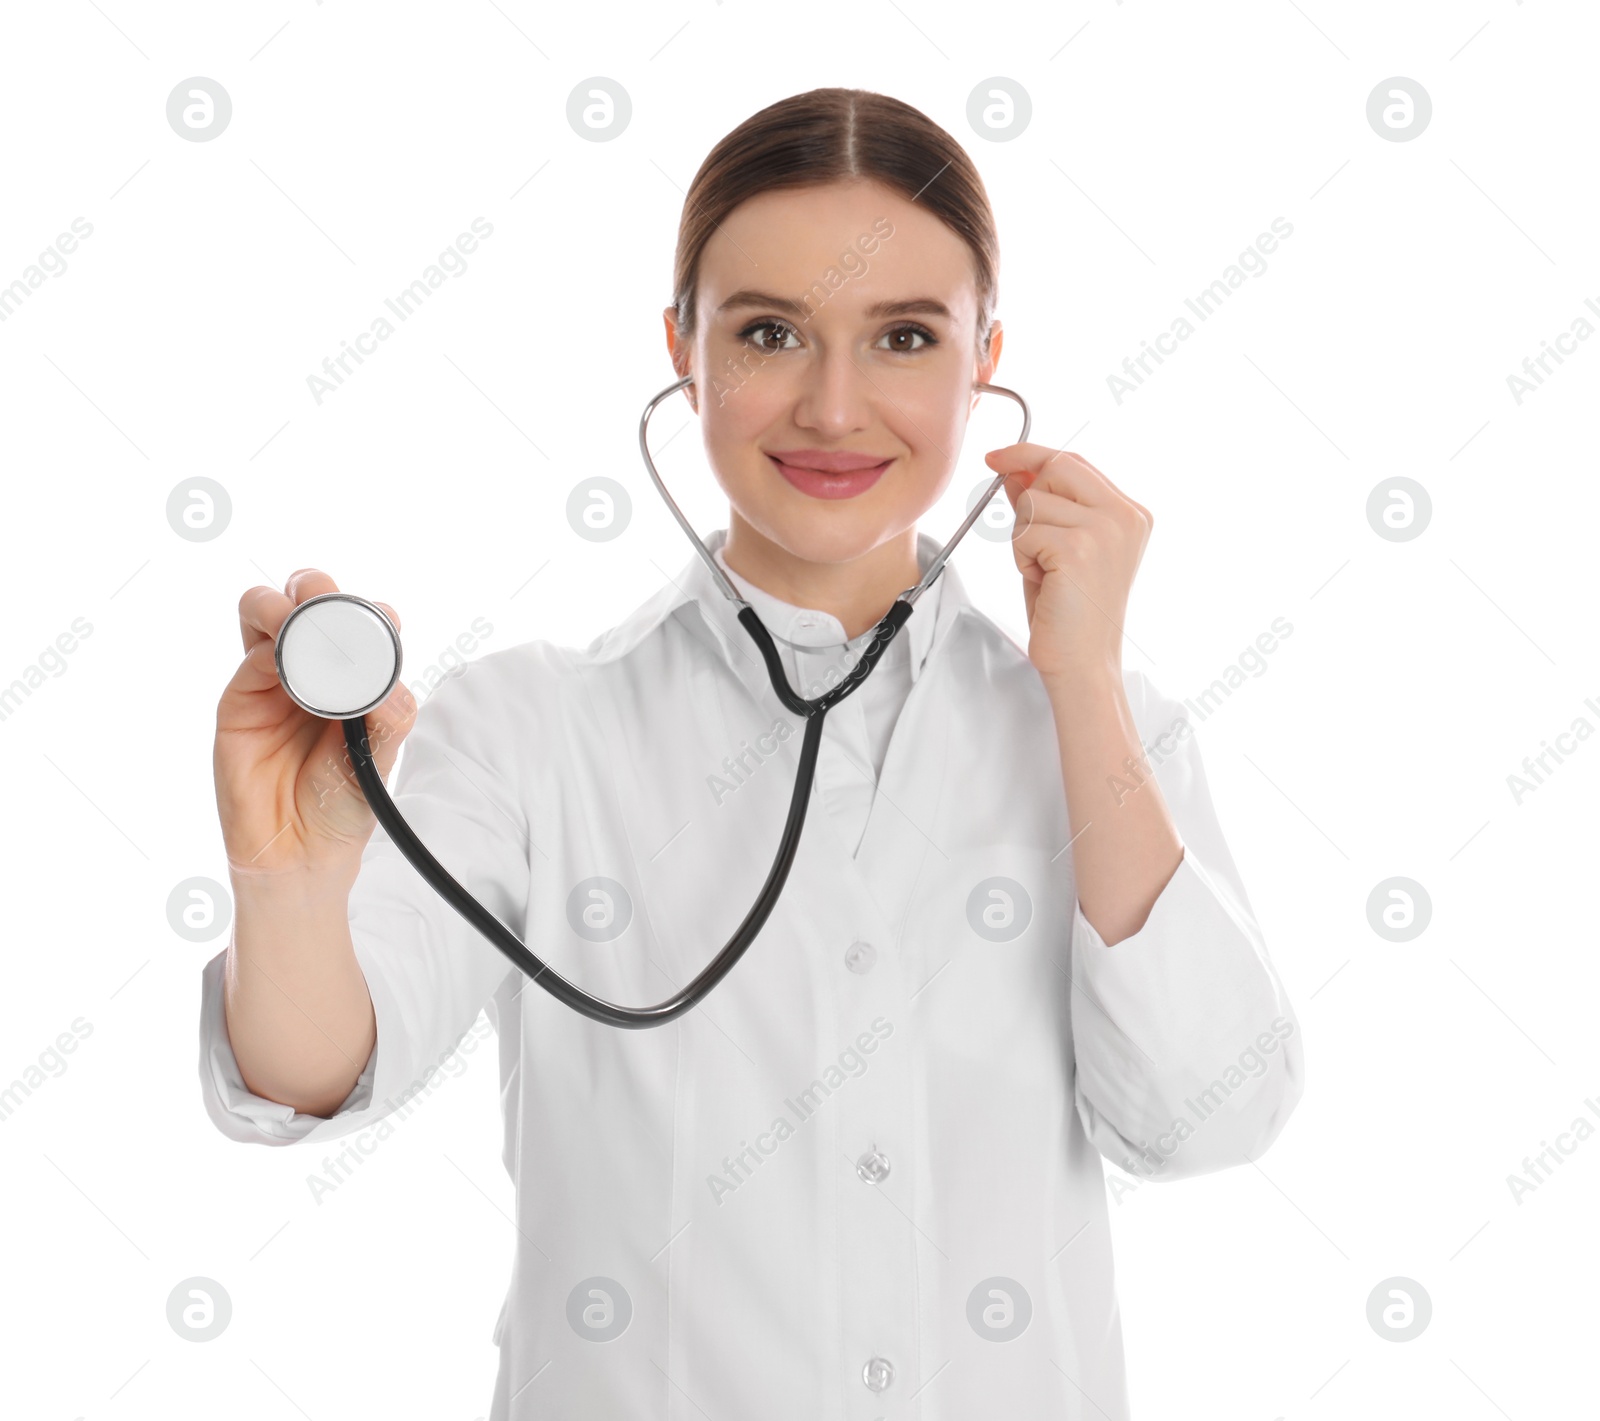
{"points": [[1377, 743]]}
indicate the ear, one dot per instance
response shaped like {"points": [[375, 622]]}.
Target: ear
{"points": [[984, 368], [997, 338], [678, 351]]}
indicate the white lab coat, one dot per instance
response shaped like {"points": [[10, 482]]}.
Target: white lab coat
{"points": [[863, 1179]]}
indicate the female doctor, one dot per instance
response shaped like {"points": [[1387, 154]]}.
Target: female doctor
{"points": [[863, 1179]]}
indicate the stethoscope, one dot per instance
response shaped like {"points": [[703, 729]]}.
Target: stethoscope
{"points": [[338, 657]]}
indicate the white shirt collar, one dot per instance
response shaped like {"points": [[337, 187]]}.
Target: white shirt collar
{"points": [[811, 626], [715, 619]]}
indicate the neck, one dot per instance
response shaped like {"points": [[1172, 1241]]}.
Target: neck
{"points": [[858, 591]]}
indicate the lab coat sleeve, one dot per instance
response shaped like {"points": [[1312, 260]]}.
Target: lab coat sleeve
{"points": [[1188, 1054], [429, 973]]}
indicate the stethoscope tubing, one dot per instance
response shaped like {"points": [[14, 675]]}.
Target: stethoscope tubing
{"points": [[813, 710], [536, 970]]}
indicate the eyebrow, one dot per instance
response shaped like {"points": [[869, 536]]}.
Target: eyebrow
{"points": [[915, 306]]}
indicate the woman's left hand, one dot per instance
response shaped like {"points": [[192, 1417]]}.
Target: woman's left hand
{"points": [[1077, 540]]}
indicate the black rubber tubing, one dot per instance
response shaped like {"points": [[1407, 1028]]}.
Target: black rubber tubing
{"points": [[439, 878]]}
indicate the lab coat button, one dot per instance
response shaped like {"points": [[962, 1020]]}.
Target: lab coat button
{"points": [[878, 1373], [873, 1167], [860, 956]]}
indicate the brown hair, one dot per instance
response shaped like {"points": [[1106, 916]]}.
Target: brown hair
{"points": [[832, 135]]}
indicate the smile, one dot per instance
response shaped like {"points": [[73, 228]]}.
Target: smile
{"points": [[816, 484]]}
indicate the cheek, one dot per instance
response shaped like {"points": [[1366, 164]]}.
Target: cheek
{"points": [[732, 433], [731, 428], [934, 426]]}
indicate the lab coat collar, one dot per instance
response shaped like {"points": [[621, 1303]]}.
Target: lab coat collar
{"points": [[721, 617], [693, 590], [810, 626]]}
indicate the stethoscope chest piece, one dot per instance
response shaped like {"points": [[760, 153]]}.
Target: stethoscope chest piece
{"points": [[338, 656]]}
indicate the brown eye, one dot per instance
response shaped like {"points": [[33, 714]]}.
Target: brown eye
{"points": [[760, 327], [910, 330]]}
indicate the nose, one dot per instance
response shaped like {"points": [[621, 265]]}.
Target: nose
{"points": [[835, 397]]}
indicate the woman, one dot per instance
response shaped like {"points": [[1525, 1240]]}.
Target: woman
{"points": [[864, 1177]]}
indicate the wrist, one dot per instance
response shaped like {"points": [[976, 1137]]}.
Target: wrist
{"points": [[308, 886], [1084, 680]]}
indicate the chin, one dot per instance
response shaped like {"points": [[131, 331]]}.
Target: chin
{"points": [[828, 533]]}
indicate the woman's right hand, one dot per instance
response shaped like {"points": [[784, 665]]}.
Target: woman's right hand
{"points": [[286, 791]]}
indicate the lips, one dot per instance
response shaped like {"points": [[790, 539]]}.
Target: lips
{"points": [[817, 484], [821, 461]]}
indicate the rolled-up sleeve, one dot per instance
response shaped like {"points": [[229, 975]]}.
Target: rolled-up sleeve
{"points": [[428, 972], [1188, 1054]]}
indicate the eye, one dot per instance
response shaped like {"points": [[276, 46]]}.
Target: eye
{"points": [[911, 328], [762, 345], [908, 329]]}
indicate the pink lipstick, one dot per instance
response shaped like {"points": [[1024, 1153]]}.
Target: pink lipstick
{"points": [[824, 474]]}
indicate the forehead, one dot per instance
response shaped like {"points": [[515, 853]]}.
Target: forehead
{"points": [[889, 246]]}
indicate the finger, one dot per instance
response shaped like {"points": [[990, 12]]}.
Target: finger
{"points": [[388, 726], [1036, 509], [1035, 506], [1034, 550], [307, 582], [1073, 475], [259, 669], [1054, 469], [261, 612], [1040, 551], [1114, 491], [390, 613]]}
